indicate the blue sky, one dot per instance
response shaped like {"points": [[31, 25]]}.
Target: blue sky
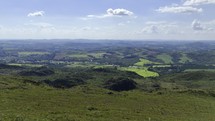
{"points": [[108, 19]]}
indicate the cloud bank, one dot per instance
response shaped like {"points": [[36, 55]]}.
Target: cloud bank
{"points": [[197, 26], [159, 27], [198, 2], [179, 9]]}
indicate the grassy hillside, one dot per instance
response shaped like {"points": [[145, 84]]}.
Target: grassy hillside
{"points": [[192, 80], [24, 100], [184, 58], [142, 62], [167, 59], [95, 104]]}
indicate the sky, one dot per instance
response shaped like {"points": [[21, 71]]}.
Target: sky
{"points": [[108, 19]]}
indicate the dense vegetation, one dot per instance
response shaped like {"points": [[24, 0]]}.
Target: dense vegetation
{"points": [[120, 84], [108, 80]]}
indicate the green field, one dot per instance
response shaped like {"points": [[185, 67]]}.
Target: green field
{"points": [[143, 62], [167, 59], [27, 65], [193, 70], [81, 55], [78, 64], [97, 55], [184, 58], [94, 104], [161, 66], [140, 71], [32, 53], [85, 65], [71, 55]]}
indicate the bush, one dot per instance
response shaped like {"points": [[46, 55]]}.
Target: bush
{"points": [[43, 71], [120, 84], [64, 83]]}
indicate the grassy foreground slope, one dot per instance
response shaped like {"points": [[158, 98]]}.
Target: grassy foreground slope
{"points": [[86, 103]]}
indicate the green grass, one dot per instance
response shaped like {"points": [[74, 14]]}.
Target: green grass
{"points": [[27, 65], [26, 102], [32, 53], [193, 70], [94, 104], [184, 58], [167, 59], [81, 64], [103, 66], [161, 66], [140, 71], [78, 55], [143, 62], [97, 55], [71, 55], [192, 80]]}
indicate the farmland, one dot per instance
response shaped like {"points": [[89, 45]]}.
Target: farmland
{"points": [[32, 53], [165, 58], [141, 71]]}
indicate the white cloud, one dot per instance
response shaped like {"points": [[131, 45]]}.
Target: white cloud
{"points": [[96, 16], [179, 9], [210, 23], [198, 2], [40, 28], [157, 23], [152, 29], [37, 13], [197, 26], [119, 12], [159, 27], [112, 13]]}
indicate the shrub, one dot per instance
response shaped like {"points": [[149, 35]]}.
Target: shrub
{"points": [[120, 84], [43, 71], [64, 83]]}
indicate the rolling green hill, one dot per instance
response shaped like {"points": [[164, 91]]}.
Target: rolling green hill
{"points": [[24, 99], [96, 104]]}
